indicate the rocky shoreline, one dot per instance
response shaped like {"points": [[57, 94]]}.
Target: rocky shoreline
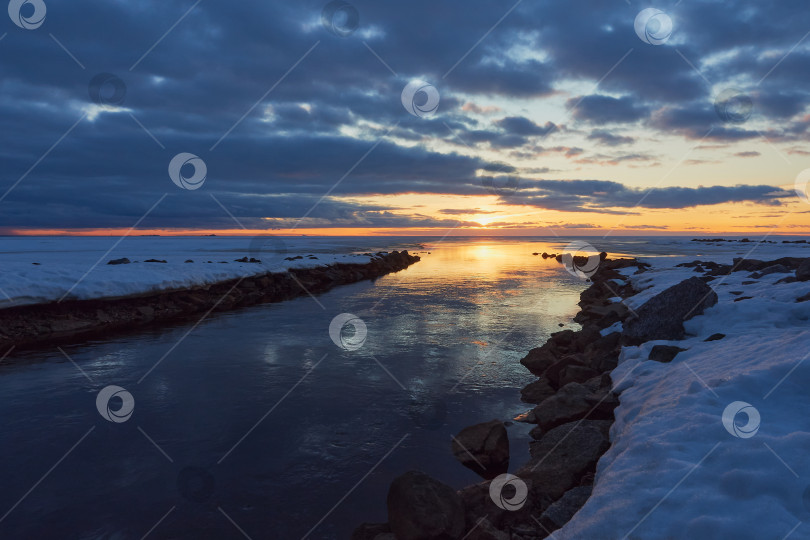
{"points": [[574, 403], [40, 324]]}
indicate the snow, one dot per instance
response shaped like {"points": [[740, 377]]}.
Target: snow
{"points": [[673, 470], [76, 267]]}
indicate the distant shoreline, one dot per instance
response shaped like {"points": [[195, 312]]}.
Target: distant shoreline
{"points": [[44, 323]]}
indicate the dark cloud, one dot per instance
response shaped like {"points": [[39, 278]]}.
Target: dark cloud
{"points": [[598, 109], [601, 195], [282, 111]]}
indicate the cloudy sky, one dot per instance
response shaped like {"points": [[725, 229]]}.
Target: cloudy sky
{"points": [[585, 117]]}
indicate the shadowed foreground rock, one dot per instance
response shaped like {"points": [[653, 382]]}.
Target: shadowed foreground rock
{"points": [[42, 323], [662, 316], [421, 508], [483, 448]]}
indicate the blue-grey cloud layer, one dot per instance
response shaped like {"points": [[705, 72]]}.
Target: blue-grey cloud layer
{"points": [[341, 100]]}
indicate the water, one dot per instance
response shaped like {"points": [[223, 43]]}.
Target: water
{"points": [[255, 419]]}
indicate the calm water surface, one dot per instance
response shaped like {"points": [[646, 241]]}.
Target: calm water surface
{"points": [[255, 419]]}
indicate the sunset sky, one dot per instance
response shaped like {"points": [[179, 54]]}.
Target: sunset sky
{"points": [[554, 118]]}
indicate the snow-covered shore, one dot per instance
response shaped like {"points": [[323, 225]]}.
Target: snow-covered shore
{"points": [[673, 469], [44, 269]]}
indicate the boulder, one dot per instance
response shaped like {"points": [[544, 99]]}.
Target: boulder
{"points": [[123, 260], [716, 337], [573, 401], [773, 269], [372, 531], [664, 353], [561, 512], [541, 358], [422, 508], [561, 458], [537, 391], [483, 448], [803, 271], [662, 316]]}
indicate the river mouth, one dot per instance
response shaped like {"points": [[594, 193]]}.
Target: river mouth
{"points": [[257, 418]]}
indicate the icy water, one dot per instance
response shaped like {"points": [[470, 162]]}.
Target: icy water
{"points": [[254, 423]]}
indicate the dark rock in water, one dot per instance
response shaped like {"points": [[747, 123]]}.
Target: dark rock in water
{"points": [[662, 316], [561, 512], [736, 292], [483, 448], [803, 271], [560, 325], [774, 269], [535, 254], [803, 298], [568, 404], [743, 298], [749, 282], [788, 279], [421, 508], [537, 391], [36, 264], [664, 353], [155, 261], [189, 261], [716, 337], [119, 261], [372, 531]]}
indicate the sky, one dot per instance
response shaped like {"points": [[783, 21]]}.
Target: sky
{"points": [[428, 118]]}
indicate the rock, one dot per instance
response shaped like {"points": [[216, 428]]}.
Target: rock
{"points": [[421, 508], [189, 261], [774, 269], [662, 316], [483, 448], [372, 531], [715, 337], [561, 458], [561, 512], [537, 391], [664, 353], [540, 359], [119, 261], [803, 271], [803, 298], [147, 311], [155, 261], [568, 404], [741, 298]]}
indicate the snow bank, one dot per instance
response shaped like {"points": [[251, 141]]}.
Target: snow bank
{"points": [[673, 470], [77, 266]]}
